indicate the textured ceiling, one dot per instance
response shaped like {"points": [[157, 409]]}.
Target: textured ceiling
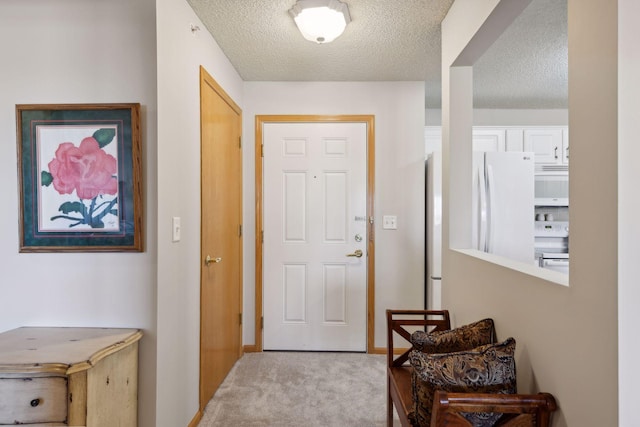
{"points": [[395, 41], [527, 66]]}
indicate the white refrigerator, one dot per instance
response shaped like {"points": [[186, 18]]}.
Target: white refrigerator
{"points": [[434, 231], [502, 212], [503, 204]]}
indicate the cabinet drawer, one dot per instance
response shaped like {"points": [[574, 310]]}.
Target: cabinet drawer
{"points": [[33, 400]]}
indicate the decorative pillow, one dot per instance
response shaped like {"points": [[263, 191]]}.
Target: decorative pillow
{"points": [[463, 338], [487, 369]]}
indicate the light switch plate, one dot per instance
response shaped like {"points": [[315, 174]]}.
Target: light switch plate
{"points": [[390, 222], [175, 227]]}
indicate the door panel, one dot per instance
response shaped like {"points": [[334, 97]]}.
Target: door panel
{"points": [[335, 293], [295, 285], [295, 187], [315, 184], [221, 276], [335, 205]]}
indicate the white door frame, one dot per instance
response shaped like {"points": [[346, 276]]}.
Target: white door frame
{"points": [[369, 121]]}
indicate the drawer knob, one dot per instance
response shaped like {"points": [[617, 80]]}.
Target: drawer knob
{"points": [[35, 402]]}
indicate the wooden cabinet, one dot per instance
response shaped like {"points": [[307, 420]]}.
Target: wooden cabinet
{"points": [[69, 377]]}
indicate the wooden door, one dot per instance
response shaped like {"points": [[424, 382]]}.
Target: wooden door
{"points": [[315, 236], [221, 240]]}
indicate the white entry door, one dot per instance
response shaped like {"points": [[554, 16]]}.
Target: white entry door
{"points": [[315, 236]]}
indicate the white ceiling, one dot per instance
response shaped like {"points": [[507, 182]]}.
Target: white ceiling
{"points": [[395, 41]]}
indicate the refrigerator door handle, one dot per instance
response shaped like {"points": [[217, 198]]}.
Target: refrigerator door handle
{"points": [[482, 214], [436, 278], [490, 206]]}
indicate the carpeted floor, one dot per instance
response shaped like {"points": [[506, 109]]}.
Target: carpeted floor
{"points": [[286, 389]]}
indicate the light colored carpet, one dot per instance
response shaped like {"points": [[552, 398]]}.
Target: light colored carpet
{"points": [[286, 389]]}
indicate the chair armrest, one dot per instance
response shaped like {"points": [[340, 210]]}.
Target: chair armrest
{"points": [[522, 409], [398, 320]]}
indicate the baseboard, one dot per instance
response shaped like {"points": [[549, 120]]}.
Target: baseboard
{"points": [[376, 350], [383, 350], [379, 350], [196, 419]]}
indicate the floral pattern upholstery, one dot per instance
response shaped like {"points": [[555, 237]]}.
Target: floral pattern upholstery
{"points": [[487, 369], [463, 338]]}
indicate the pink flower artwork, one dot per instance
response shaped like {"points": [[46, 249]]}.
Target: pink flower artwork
{"points": [[91, 173], [86, 169]]}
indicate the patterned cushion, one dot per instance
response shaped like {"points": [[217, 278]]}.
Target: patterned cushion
{"points": [[487, 369], [459, 339]]}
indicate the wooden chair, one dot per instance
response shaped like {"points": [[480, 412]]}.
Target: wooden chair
{"points": [[519, 409], [398, 368]]}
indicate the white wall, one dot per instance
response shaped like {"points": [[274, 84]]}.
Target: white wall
{"points": [[180, 53], [520, 117], [71, 51], [120, 289], [629, 206], [507, 117], [399, 159], [567, 337]]}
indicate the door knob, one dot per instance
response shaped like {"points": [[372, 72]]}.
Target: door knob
{"points": [[208, 260], [357, 253]]}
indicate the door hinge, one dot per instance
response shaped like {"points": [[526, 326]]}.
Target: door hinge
{"points": [[261, 150], [240, 230], [370, 220], [262, 236], [262, 322], [240, 318], [240, 142]]}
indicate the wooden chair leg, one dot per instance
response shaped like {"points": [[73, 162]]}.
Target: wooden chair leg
{"points": [[389, 406]]}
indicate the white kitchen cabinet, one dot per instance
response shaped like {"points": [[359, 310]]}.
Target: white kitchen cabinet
{"points": [[547, 144], [515, 139], [489, 139], [432, 139], [565, 146], [484, 139], [550, 144]]}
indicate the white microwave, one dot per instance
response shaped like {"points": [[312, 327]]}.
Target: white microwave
{"points": [[552, 188]]}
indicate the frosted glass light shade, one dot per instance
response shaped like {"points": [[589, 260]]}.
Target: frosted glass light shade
{"points": [[320, 21]]}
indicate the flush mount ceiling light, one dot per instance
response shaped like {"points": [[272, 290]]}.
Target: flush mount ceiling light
{"points": [[320, 21]]}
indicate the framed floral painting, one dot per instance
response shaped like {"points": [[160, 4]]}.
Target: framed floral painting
{"points": [[79, 177]]}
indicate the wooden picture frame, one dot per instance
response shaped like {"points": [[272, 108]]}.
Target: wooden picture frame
{"points": [[79, 177]]}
